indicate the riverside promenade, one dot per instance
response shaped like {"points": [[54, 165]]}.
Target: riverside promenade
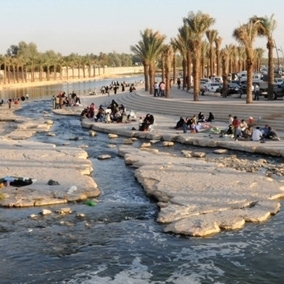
{"points": [[196, 196], [167, 112]]}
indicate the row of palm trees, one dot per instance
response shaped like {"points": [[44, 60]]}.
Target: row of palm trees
{"points": [[23, 63], [191, 45]]}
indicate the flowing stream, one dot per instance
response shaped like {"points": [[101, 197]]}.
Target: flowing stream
{"points": [[119, 240]]}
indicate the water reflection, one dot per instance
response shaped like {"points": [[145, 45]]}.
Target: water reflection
{"points": [[80, 88]]}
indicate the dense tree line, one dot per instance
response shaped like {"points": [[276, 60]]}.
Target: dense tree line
{"points": [[24, 58], [201, 53]]}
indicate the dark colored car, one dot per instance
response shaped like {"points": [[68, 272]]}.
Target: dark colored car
{"points": [[278, 91], [233, 88]]}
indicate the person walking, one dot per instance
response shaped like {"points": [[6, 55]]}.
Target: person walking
{"points": [[256, 92], [178, 83]]}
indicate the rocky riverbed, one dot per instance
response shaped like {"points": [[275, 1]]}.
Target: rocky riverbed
{"points": [[199, 192]]}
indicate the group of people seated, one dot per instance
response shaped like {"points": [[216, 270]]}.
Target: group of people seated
{"points": [[65, 100], [112, 113], [194, 123], [243, 130]]}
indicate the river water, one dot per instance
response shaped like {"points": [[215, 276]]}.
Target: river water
{"points": [[119, 241]]}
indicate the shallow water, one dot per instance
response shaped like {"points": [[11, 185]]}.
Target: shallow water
{"points": [[119, 241]]}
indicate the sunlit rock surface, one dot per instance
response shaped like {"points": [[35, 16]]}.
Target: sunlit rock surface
{"points": [[199, 198]]}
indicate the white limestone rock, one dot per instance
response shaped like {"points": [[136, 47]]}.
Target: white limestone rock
{"points": [[220, 151], [50, 122], [150, 150], [92, 133], [127, 141], [111, 145], [186, 153], [198, 226], [112, 136], [198, 154], [104, 157], [168, 143], [45, 212], [154, 141], [144, 145], [64, 211]]}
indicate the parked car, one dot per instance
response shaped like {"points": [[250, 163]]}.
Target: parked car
{"points": [[212, 87], [244, 86], [232, 88], [204, 81], [278, 81], [278, 90]]}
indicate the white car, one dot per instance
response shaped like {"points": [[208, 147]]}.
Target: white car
{"points": [[212, 87], [203, 82]]}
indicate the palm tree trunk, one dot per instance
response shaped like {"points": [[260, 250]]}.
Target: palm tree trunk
{"points": [[152, 77], [249, 78], [184, 72], [146, 76], [188, 67], [196, 72], [168, 79], [174, 69], [270, 46]]}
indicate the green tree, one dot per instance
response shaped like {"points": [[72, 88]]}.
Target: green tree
{"points": [[211, 36], [198, 23], [266, 27], [148, 49], [246, 34], [218, 42]]}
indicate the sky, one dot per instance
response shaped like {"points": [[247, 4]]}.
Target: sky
{"points": [[94, 26]]}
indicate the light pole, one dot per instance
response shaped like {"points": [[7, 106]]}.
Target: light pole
{"points": [[280, 49]]}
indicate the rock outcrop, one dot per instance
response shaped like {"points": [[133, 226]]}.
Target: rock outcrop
{"points": [[200, 198]]}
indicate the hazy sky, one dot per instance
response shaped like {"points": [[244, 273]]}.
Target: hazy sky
{"points": [[94, 26]]}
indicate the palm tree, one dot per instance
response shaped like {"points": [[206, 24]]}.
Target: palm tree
{"points": [[266, 27], [218, 42], [180, 44], [211, 36], [258, 54], [225, 67], [246, 35], [148, 49], [168, 57], [141, 50], [198, 23], [204, 58], [185, 34]]}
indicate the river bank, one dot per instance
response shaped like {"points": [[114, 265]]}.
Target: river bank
{"points": [[63, 81], [119, 239]]}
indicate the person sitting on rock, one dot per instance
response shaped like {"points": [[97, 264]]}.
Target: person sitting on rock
{"points": [[194, 119], [247, 133], [257, 134], [100, 114], [272, 134], [201, 117], [91, 112], [210, 117], [84, 112], [180, 123], [265, 131], [148, 120]]}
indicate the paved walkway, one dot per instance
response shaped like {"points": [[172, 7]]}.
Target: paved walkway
{"points": [[168, 111]]}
